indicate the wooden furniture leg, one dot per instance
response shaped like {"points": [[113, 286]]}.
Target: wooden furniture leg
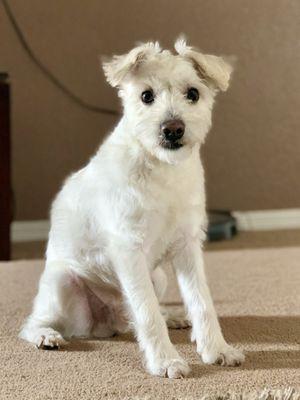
{"points": [[5, 183]]}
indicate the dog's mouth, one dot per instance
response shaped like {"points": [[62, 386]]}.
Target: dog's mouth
{"points": [[171, 145]]}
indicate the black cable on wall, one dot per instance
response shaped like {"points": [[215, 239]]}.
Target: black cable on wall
{"points": [[49, 75]]}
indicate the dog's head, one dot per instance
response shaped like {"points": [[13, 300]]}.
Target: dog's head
{"points": [[168, 98]]}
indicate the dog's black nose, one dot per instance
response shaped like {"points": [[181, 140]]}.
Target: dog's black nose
{"points": [[173, 129]]}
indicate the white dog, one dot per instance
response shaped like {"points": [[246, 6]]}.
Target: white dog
{"points": [[137, 205]]}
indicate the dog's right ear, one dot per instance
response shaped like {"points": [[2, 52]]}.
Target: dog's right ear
{"points": [[119, 67]]}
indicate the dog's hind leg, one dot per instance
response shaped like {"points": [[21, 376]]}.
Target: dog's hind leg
{"points": [[175, 317], [60, 308]]}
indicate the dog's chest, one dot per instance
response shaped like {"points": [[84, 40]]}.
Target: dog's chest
{"points": [[160, 226], [169, 200]]}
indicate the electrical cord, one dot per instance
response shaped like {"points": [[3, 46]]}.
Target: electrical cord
{"points": [[49, 75]]}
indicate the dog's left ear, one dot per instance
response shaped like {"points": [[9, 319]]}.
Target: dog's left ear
{"points": [[119, 67], [215, 70]]}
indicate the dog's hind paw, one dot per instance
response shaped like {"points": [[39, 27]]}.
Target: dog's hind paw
{"points": [[50, 341], [175, 318], [46, 339]]}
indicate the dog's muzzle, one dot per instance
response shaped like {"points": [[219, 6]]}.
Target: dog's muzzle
{"points": [[171, 132]]}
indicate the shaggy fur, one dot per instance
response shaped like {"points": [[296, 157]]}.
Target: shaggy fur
{"points": [[136, 206]]}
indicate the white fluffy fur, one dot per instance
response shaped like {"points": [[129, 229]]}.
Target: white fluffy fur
{"points": [[132, 209]]}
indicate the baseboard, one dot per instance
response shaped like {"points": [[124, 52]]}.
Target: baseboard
{"points": [[25, 231], [266, 220]]}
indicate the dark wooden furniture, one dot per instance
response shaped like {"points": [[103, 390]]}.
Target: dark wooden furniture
{"points": [[5, 183]]}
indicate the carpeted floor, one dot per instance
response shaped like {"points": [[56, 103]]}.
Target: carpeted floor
{"points": [[257, 296]]}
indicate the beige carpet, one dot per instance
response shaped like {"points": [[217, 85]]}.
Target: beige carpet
{"points": [[257, 295]]}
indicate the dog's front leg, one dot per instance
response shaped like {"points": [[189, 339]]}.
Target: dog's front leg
{"points": [[189, 268], [161, 356]]}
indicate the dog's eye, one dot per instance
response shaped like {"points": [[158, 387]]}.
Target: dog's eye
{"points": [[147, 97], [192, 95]]}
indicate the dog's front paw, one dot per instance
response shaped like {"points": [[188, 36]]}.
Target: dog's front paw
{"points": [[170, 368], [224, 355]]}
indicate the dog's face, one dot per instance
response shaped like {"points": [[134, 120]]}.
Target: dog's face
{"points": [[168, 98]]}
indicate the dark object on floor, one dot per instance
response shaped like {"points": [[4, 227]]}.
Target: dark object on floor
{"points": [[221, 226], [5, 186]]}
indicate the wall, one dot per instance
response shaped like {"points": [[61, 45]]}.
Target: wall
{"points": [[252, 154]]}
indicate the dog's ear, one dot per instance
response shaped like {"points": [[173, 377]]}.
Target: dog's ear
{"points": [[117, 68], [215, 70]]}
